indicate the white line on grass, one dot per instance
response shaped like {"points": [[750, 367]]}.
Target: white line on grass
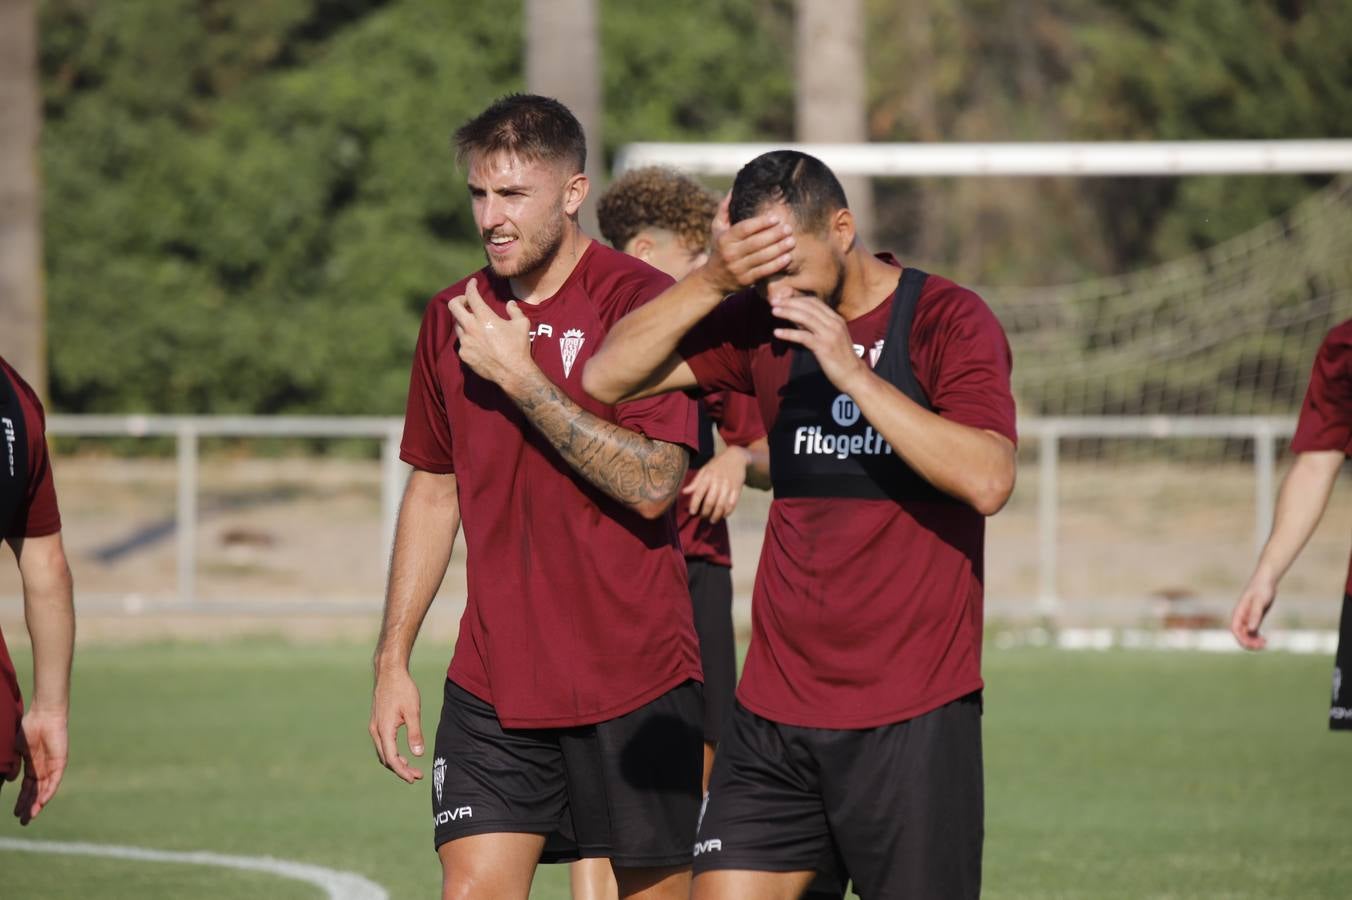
{"points": [[1207, 640], [336, 885]]}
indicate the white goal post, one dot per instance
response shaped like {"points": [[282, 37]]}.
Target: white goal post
{"points": [[1111, 362], [1091, 159]]}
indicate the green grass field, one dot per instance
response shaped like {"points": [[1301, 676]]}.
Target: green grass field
{"points": [[1123, 775]]}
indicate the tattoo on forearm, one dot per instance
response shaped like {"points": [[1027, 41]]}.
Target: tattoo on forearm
{"points": [[627, 466]]}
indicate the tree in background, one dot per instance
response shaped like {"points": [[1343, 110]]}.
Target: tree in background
{"points": [[248, 205], [22, 313]]}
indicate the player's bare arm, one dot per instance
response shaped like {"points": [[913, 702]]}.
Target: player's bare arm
{"points": [[975, 465], [642, 474], [49, 611], [717, 487], [638, 357], [1300, 505], [429, 518]]}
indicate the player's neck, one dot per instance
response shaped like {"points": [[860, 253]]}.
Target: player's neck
{"points": [[544, 282], [868, 282]]}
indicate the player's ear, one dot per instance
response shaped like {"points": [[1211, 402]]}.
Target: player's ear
{"points": [[641, 245], [575, 191], [840, 228]]}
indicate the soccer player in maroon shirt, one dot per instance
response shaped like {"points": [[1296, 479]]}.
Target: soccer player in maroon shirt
{"points": [[570, 718], [1323, 440], [856, 738], [34, 741]]}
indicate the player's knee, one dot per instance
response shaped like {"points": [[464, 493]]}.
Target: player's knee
{"points": [[654, 883], [467, 879]]}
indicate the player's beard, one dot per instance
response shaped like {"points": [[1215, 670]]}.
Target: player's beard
{"points": [[837, 291], [535, 252]]}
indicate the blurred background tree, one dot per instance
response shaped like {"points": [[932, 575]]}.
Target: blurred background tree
{"points": [[248, 204]]}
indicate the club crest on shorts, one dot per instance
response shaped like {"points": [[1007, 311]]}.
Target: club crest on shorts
{"points": [[438, 776], [569, 345]]}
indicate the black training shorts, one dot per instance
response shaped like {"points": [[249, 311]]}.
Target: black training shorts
{"points": [[900, 807], [711, 596], [627, 788], [1340, 707]]}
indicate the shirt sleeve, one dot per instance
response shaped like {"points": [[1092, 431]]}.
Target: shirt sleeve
{"points": [[427, 443], [967, 369], [38, 514], [672, 417], [718, 349], [739, 421], [1326, 415], [42, 516]]}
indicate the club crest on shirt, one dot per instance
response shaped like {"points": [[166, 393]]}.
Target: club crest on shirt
{"points": [[873, 352], [569, 345], [438, 776]]}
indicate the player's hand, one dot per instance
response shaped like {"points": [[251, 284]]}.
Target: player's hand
{"points": [[44, 746], [717, 486], [821, 330], [395, 703], [1250, 611], [495, 348], [747, 252]]}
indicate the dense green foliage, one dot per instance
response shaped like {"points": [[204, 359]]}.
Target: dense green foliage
{"points": [[247, 204], [1121, 775]]}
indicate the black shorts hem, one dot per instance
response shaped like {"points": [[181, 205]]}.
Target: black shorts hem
{"points": [[625, 861], [652, 862], [729, 863], [445, 837]]}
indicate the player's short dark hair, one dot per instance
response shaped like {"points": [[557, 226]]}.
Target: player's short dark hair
{"points": [[802, 182], [535, 128], [656, 197]]}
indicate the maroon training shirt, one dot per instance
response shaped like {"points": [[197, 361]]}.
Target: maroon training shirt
{"points": [[1326, 418], [739, 422], [578, 609], [37, 516], [866, 612]]}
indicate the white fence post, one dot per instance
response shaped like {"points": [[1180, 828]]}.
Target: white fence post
{"points": [[1048, 600], [186, 519], [393, 474], [1265, 463]]}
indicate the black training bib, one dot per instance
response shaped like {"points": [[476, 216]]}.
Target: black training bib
{"points": [[13, 454], [822, 446]]}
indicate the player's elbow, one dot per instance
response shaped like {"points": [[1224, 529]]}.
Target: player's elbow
{"points": [[44, 568], [654, 509], [596, 381], [990, 495]]}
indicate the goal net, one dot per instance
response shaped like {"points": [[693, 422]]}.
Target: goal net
{"points": [[1160, 528]]}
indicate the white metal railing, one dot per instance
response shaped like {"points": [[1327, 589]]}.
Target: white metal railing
{"points": [[186, 430], [1048, 433], [1264, 431]]}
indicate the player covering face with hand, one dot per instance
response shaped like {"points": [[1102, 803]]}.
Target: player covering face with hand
{"points": [[856, 738]]}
